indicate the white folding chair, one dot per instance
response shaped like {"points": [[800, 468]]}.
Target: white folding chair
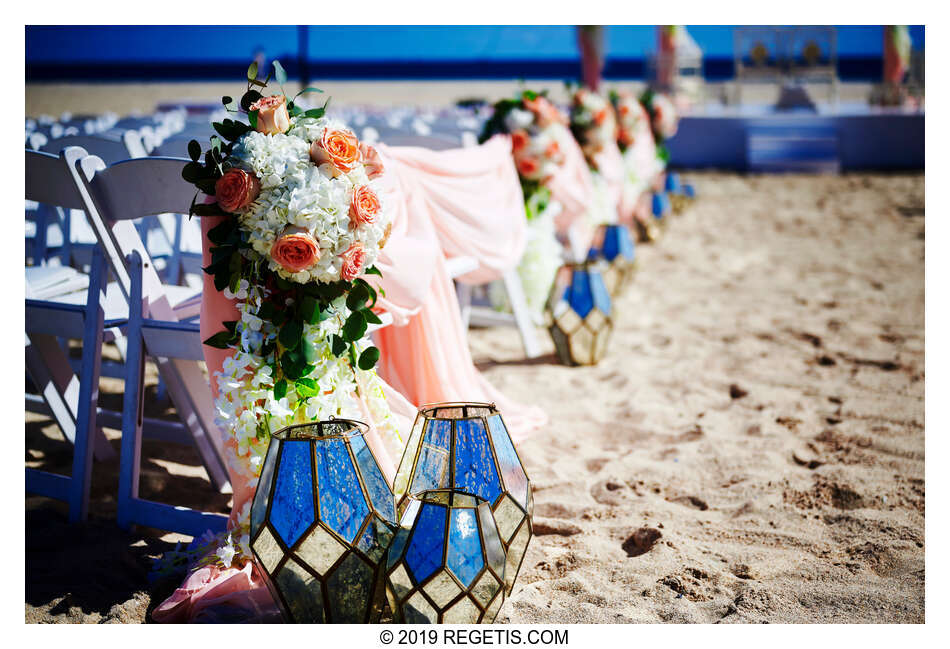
{"points": [[72, 402], [113, 196]]}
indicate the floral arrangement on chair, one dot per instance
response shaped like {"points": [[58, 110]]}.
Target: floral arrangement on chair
{"points": [[303, 225], [630, 114], [593, 123], [532, 121], [663, 119], [537, 129]]}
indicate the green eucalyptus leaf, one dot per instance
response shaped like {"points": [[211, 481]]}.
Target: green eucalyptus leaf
{"points": [[309, 310], [357, 297], [338, 345], [220, 340], [280, 389], [307, 387], [290, 334], [355, 327], [368, 358], [194, 150], [371, 317], [279, 73], [252, 71]]}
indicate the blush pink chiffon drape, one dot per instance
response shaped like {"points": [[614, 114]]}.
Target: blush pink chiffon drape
{"points": [[426, 357], [573, 187], [474, 202]]}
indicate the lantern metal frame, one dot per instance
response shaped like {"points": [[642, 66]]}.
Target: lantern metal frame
{"points": [[564, 322], [273, 554], [506, 505], [401, 574]]}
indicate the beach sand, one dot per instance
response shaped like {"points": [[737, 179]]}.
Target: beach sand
{"points": [[751, 450]]}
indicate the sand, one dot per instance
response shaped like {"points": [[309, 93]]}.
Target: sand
{"points": [[752, 449]]}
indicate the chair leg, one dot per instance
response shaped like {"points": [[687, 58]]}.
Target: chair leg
{"points": [[464, 293], [519, 307], [88, 396]]}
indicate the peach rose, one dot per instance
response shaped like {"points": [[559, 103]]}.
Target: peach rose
{"points": [[529, 167], [519, 140], [353, 260], [236, 189], [272, 115], [625, 137], [545, 112], [600, 116], [371, 161], [339, 148], [295, 249], [553, 151], [364, 206]]}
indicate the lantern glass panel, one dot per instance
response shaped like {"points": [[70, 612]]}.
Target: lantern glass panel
{"points": [[464, 557], [462, 612], [424, 554], [516, 481], [379, 492], [599, 292], [474, 464], [508, 516], [302, 591], [349, 590], [261, 496], [494, 551], [516, 554], [342, 507], [579, 294], [292, 511], [375, 539], [434, 456], [268, 550], [320, 550], [486, 587], [420, 611], [442, 589]]}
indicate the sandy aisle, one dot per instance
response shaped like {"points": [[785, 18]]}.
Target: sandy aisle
{"points": [[751, 450]]}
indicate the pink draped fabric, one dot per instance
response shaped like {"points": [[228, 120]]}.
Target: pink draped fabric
{"points": [[609, 163], [428, 359], [469, 220], [573, 187]]}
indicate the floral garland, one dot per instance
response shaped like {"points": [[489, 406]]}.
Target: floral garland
{"points": [[536, 127], [303, 223], [663, 119], [593, 123], [630, 115]]}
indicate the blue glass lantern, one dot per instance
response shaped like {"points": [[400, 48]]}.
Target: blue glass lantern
{"points": [[466, 446], [614, 245], [672, 185], [662, 208], [447, 563], [579, 314], [322, 520]]}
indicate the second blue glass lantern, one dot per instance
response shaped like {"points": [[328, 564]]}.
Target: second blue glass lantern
{"points": [[579, 314], [446, 564], [322, 520], [466, 446], [662, 208]]}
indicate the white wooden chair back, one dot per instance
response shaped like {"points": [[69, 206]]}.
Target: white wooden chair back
{"points": [[113, 197]]}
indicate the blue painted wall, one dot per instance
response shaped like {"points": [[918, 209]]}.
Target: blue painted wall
{"points": [[196, 52]]}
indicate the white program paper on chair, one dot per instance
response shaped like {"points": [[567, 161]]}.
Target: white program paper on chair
{"points": [[113, 196]]}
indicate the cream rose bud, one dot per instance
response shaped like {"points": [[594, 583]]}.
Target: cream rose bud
{"points": [[272, 115]]}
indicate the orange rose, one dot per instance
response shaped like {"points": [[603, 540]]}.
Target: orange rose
{"points": [[295, 249], [353, 260], [519, 140], [236, 189], [545, 112], [552, 151], [600, 116], [339, 148], [371, 161], [528, 167], [625, 137], [364, 206], [624, 110], [272, 115]]}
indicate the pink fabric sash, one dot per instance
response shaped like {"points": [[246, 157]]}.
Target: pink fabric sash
{"points": [[573, 187], [474, 200]]}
